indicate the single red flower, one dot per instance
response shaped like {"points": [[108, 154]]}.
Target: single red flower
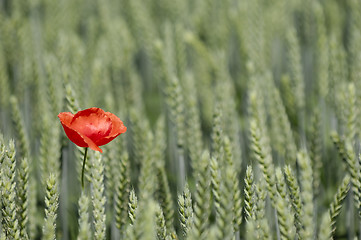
{"points": [[91, 127]]}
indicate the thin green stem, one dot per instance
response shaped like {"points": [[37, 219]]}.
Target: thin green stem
{"points": [[82, 171]]}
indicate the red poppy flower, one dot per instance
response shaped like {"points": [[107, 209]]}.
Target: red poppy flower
{"points": [[91, 127]]}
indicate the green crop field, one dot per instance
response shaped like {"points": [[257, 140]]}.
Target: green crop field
{"points": [[243, 119]]}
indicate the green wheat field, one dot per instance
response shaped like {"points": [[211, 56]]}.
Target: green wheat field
{"points": [[243, 119]]}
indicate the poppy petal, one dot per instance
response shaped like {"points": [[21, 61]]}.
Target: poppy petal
{"points": [[76, 137], [93, 123], [117, 129], [91, 127], [80, 140], [66, 117], [91, 144], [89, 111], [117, 125]]}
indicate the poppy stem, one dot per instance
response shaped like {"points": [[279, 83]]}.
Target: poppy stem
{"points": [[82, 171]]}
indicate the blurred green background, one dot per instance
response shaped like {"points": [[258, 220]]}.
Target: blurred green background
{"points": [[269, 78]]}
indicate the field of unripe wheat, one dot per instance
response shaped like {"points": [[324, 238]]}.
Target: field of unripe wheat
{"points": [[180, 119]]}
